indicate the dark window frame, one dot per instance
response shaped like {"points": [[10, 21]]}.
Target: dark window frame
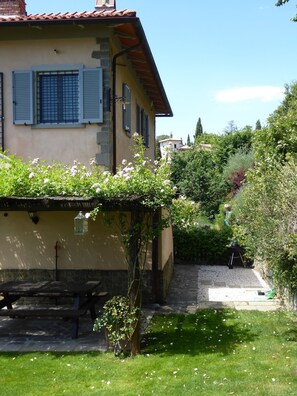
{"points": [[57, 97]]}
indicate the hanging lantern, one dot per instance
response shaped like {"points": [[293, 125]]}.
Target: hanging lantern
{"points": [[80, 224]]}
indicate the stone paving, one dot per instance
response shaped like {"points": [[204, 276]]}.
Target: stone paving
{"points": [[193, 287], [48, 335], [196, 287]]}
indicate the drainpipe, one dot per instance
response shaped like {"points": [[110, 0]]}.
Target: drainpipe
{"points": [[114, 82]]}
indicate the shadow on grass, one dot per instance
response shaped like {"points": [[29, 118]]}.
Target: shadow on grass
{"points": [[208, 331]]}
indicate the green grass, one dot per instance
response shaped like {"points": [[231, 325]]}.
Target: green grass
{"points": [[214, 352]]}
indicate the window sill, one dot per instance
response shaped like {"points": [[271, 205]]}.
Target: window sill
{"points": [[58, 126]]}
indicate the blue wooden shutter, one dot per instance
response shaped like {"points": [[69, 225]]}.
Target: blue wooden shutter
{"points": [[22, 97], [91, 95]]}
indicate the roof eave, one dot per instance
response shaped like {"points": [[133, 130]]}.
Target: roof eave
{"points": [[163, 110], [140, 31]]}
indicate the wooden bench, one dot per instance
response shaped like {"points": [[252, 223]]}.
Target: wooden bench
{"points": [[83, 295], [56, 312]]}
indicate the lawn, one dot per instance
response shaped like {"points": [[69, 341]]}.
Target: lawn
{"points": [[213, 352]]}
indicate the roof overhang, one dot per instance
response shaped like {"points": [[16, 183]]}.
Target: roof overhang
{"points": [[129, 31]]}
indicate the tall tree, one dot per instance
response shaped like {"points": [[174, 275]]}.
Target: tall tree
{"points": [[282, 2], [258, 125], [231, 127], [278, 141], [188, 141], [199, 129]]}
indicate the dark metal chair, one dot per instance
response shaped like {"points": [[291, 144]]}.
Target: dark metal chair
{"points": [[236, 253]]}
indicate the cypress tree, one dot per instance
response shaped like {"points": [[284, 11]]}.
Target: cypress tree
{"points": [[188, 141], [199, 129], [258, 125]]}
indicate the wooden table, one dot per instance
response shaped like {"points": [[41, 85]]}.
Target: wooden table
{"points": [[83, 294]]}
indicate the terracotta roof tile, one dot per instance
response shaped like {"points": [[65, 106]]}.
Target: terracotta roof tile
{"points": [[68, 15]]}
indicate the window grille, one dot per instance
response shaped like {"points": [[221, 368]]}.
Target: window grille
{"points": [[57, 97]]}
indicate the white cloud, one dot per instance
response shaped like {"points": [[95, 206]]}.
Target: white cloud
{"points": [[264, 93]]}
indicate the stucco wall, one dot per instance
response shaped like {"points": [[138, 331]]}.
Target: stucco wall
{"points": [[27, 251], [25, 245], [49, 144], [165, 245], [91, 47], [126, 75]]}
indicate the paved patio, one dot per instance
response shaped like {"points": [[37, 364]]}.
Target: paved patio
{"points": [[193, 287], [196, 287]]}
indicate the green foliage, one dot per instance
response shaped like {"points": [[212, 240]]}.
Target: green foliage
{"points": [[186, 214], [258, 126], [278, 142], [266, 211], [282, 2], [206, 178], [196, 176], [211, 352], [119, 321], [229, 144], [239, 161], [142, 178], [202, 244], [236, 168], [231, 127], [196, 239], [266, 208], [188, 140]]}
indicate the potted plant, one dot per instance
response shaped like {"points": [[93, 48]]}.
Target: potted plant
{"points": [[119, 321]]}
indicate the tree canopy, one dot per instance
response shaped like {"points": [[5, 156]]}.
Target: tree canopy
{"points": [[282, 2], [199, 173], [266, 208]]}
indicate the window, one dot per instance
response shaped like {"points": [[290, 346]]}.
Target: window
{"points": [[145, 127], [57, 97], [142, 124], [47, 96], [126, 96], [138, 119]]}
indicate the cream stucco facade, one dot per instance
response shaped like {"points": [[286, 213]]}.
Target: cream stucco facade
{"points": [[77, 47], [53, 44], [26, 246]]}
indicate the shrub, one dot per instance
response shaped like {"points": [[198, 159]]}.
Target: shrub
{"points": [[119, 321], [186, 213], [196, 239], [202, 245]]}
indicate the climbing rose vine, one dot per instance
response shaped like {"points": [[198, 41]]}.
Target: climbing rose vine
{"points": [[149, 180]]}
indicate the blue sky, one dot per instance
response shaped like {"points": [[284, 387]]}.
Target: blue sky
{"points": [[218, 60]]}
